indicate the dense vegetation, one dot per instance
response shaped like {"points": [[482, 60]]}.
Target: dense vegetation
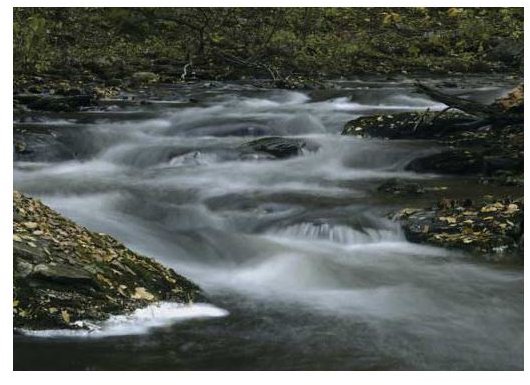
{"points": [[267, 42]]}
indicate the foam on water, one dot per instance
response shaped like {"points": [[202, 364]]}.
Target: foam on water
{"points": [[139, 322], [337, 233]]}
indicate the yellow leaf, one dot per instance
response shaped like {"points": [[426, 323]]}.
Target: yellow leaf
{"points": [[142, 293], [512, 208], [66, 316], [489, 209]]}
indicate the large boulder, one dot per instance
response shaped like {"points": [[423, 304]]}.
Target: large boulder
{"points": [[65, 274]]}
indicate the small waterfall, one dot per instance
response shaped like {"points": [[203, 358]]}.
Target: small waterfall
{"points": [[338, 233]]}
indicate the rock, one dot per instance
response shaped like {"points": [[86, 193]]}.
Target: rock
{"points": [[278, 147], [65, 274], [466, 162], [33, 143], [56, 103], [406, 125], [462, 162], [144, 77], [62, 274], [400, 187], [495, 164], [493, 227]]}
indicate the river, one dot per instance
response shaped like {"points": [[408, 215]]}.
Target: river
{"points": [[298, 252]]}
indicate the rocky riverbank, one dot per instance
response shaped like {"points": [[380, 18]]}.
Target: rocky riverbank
{"points": [[491, 228], [492, 152], [65, 274]]}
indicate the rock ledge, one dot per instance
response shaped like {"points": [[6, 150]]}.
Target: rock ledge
{"points": [[64, 274]]}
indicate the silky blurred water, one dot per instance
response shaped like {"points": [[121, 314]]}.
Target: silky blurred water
{"points": [[297, 253]]}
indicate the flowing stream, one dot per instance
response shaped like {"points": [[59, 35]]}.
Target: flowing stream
{"points": [[297, 255]]}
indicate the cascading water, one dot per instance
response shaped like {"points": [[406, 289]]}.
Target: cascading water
{"points": [[298, 252]]}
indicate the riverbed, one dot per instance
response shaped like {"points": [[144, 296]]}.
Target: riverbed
{"points": [[298, 253]]}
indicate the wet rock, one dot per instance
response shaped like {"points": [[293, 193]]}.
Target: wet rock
{"points": [[462, 162], [501, 163], [31, 143], [401, 187], [64, 273], [277, 147], [406, 125], [491, 227], [56, 103], [466, 162]]}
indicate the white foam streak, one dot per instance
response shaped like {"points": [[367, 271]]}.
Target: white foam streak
{"points": [[139, 322]]}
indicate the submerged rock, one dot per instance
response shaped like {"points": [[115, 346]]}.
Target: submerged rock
{"points": [[400, 187], [493, 227], [64, 273], [277, 147]]}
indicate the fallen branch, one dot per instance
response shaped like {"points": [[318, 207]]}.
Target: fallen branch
{"points": [[493, 113]]}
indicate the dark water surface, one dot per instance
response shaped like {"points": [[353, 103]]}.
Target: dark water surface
{"points": [[297, 251]]}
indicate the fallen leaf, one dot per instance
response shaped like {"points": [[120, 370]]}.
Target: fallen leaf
{"points": [[142, 293], [489, 209], [448, 219], [512, 208], [66, 316]]}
